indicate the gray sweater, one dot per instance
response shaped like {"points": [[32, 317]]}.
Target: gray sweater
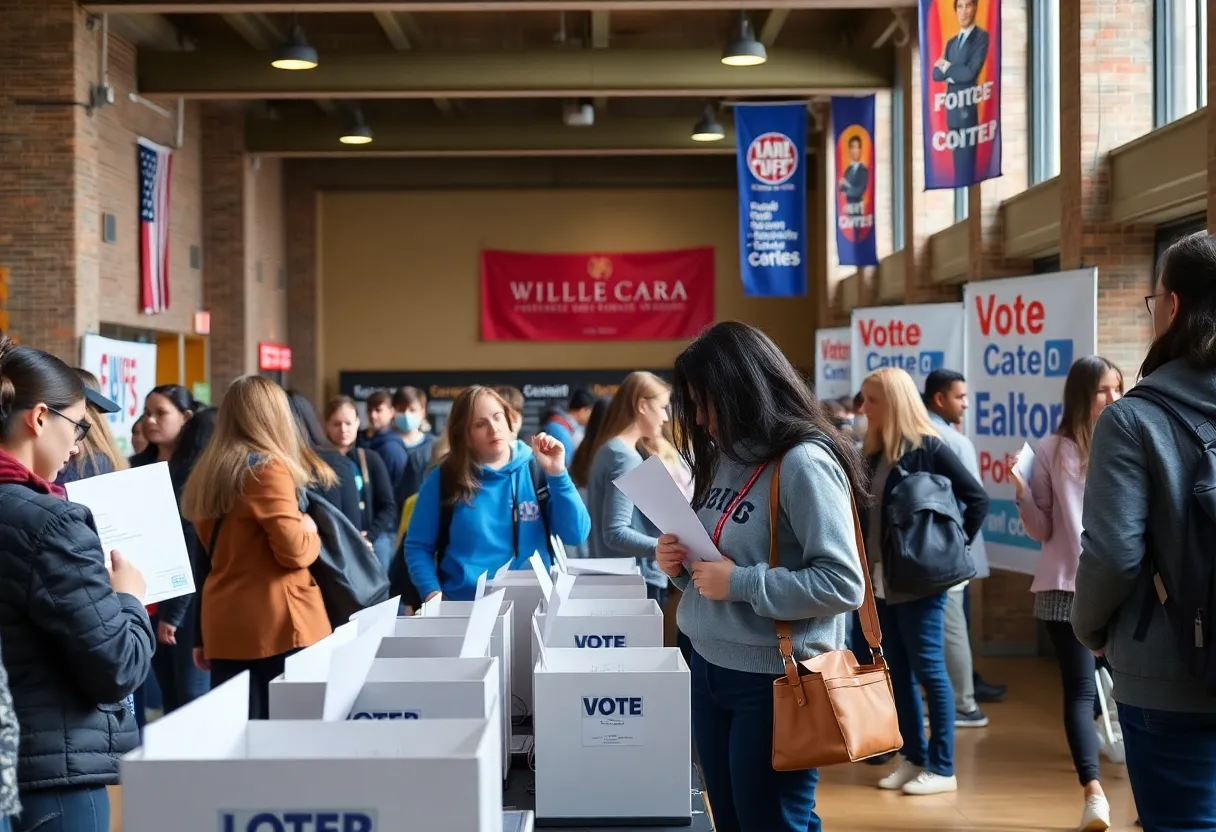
{"points": [[618, 529], [818, 580], [1141, 469]]}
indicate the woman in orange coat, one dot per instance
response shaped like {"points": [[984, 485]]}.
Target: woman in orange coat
{"points": [[259, 602]]}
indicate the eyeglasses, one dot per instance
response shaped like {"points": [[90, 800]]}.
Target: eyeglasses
{"points": [[82, 428], [1150, 302]]}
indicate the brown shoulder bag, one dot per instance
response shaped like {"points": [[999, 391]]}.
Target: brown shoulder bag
{"points": [[829, 709]]}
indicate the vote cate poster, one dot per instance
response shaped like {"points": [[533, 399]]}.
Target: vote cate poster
{"points": [[960, 57], [126, 373], [771, 156], [853, 139]]}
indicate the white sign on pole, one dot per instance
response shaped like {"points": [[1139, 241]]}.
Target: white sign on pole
{"points": [[832, 370], [1022, 336], [126, 371], [919, 339]]}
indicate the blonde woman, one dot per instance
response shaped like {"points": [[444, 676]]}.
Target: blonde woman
{"points": [[98, 452], [635, 418], [258, 601], [900, 441]]}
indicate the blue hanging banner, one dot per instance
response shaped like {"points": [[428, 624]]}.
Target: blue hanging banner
{"points": [[771, 149], [853, 150]]}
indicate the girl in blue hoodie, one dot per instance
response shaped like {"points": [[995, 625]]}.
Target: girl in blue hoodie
{"points": [[487, 484]]}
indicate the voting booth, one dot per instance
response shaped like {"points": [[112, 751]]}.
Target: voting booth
{"points": [[207, 767], [590, 586], [613, 735], [600, 623]]}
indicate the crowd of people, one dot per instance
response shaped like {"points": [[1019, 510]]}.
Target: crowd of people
{"points": [[1116, 496]]}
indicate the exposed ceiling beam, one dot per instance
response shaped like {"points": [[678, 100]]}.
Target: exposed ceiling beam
{"points": [[771, 28], [255, 29], [313, 6], [601, 33], [520, 137], [550, 73], [150, 30], [403, 33], [882, 28]]}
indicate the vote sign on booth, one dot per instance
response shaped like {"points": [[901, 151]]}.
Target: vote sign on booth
{"points": [[1022, 336], [919, 339]]}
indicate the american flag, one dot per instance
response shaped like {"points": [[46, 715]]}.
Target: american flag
{"points": [[155, 163]]}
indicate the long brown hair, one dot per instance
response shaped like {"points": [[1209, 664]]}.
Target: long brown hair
{"points": [[255, 424], [1080, 389], [623, 410], [580, 463], [99, 441], [460, 472]]}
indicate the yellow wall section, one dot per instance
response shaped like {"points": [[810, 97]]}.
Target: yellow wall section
{"points": [[400, 277]]}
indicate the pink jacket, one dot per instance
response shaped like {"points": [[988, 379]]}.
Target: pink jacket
{"points": [[1050, 509]]}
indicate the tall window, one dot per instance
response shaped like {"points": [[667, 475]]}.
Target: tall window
{"points": [[898, 145], [962, 204], [1044, 90], [1179, 58], [1169, 233]]}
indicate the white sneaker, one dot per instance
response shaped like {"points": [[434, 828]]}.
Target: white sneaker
{"points": [[1096, 817], [904, 773], [929, 783]]}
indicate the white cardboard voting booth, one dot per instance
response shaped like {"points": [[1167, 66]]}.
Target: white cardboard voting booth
{"points": [[601, 623], [590, 587], [613, 735], [207, 767]]}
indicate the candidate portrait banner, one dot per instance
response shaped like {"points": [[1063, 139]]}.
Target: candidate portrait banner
{"points": [[1023, 334], [918, 338], [832, 370], [960, 53], [600, 296], [126, 374], [853, 138], [770, 142]]}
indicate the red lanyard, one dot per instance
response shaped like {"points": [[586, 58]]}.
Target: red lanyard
{"points": [[735, 503]]}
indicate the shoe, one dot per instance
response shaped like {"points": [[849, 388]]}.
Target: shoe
{"points": [[904, 774], [1096, 817], [988, 693], [929, 783], [970, 719]]}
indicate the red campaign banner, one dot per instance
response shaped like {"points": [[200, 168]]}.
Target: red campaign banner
{"points": [[634, 296]]}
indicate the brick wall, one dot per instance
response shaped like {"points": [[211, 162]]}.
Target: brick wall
{"points": [[265, 256], [303, 310], [224, 242]]}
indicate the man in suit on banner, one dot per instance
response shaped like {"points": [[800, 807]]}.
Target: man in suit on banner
{"points": [[855, 179], [959, 67]]}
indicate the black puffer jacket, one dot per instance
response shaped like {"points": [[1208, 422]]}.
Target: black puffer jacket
{"points": [[74, 649]]}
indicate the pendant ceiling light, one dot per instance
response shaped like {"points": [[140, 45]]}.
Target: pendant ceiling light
{"points": [[295, 53], [358, 132], [708, 129], [744, 49]]}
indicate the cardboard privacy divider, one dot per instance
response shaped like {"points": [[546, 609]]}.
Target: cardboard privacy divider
{"points": [[612, 737], [604, 566], [207, 767], [589, 587], [523, 590]]}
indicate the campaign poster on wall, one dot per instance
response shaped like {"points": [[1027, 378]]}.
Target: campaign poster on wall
{"points": [[1023, 334], [918, 338], [853, 135], [960, 53], [601, 296], [832, 370], [126, 373], [770, 141]]}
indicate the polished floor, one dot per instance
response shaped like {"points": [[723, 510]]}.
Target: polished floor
{"points": [[1014, 776]]}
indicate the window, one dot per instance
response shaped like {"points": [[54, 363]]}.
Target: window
{"points": [[1169, 233], [1179, 58], [962, 204], [1044, 90], [898, 140], [1045, 265]]}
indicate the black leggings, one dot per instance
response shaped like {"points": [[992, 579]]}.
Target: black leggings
{"points": [[261, 671], [1077, 667]]}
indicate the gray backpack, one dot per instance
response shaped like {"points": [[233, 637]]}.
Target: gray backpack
{"points": [[926, 548]]}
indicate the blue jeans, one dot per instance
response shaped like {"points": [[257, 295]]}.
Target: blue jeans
{"points": [[179, 680], [913, 640], [732, 729], [64, 810], [384, 546], [1171, 763]]}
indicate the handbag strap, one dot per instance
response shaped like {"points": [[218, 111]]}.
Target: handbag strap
{"points": [[868, 612]]}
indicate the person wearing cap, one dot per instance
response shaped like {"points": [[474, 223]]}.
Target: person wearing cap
{"points": [[99, 453], [74, 635]]}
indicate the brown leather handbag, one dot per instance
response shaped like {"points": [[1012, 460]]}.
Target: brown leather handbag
{"points": [[829, 709]]}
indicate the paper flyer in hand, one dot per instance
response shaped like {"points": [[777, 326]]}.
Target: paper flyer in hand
{"points": [[651, 488]]}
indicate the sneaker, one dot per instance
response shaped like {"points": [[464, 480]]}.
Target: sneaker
{"points": [[970, 719], [1096, 817], [904, 774], [929, 783], [986, 692]]}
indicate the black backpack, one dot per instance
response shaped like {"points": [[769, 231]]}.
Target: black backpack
{"points": [[398, 573], [1189, 598], [926, 547]]}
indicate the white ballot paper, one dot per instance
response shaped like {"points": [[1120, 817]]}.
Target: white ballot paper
{"points": [[651, 488], [1025, 464], [136, 513]]}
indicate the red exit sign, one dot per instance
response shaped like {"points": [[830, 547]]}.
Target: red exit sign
{"points": [[274, 357]]}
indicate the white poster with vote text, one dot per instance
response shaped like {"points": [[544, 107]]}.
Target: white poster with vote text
{"points": [[126, 371], [919, 338], [832, 370]]}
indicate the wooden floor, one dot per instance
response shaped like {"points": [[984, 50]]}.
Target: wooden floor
{"points": [[1014, 776]]}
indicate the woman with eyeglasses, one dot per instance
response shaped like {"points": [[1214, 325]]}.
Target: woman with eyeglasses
{"points": [[75, 637]]}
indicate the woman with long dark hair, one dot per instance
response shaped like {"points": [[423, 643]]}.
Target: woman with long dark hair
{"points": [[1050, 508], [1139, 497], [743, 413]]}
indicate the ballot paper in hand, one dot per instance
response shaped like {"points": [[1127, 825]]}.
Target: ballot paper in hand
{"points": [[651, 488], [136, 513], [1025, 464]]}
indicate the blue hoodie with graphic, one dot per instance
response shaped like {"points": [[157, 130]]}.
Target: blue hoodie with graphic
{"points": [[481, 534]]}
